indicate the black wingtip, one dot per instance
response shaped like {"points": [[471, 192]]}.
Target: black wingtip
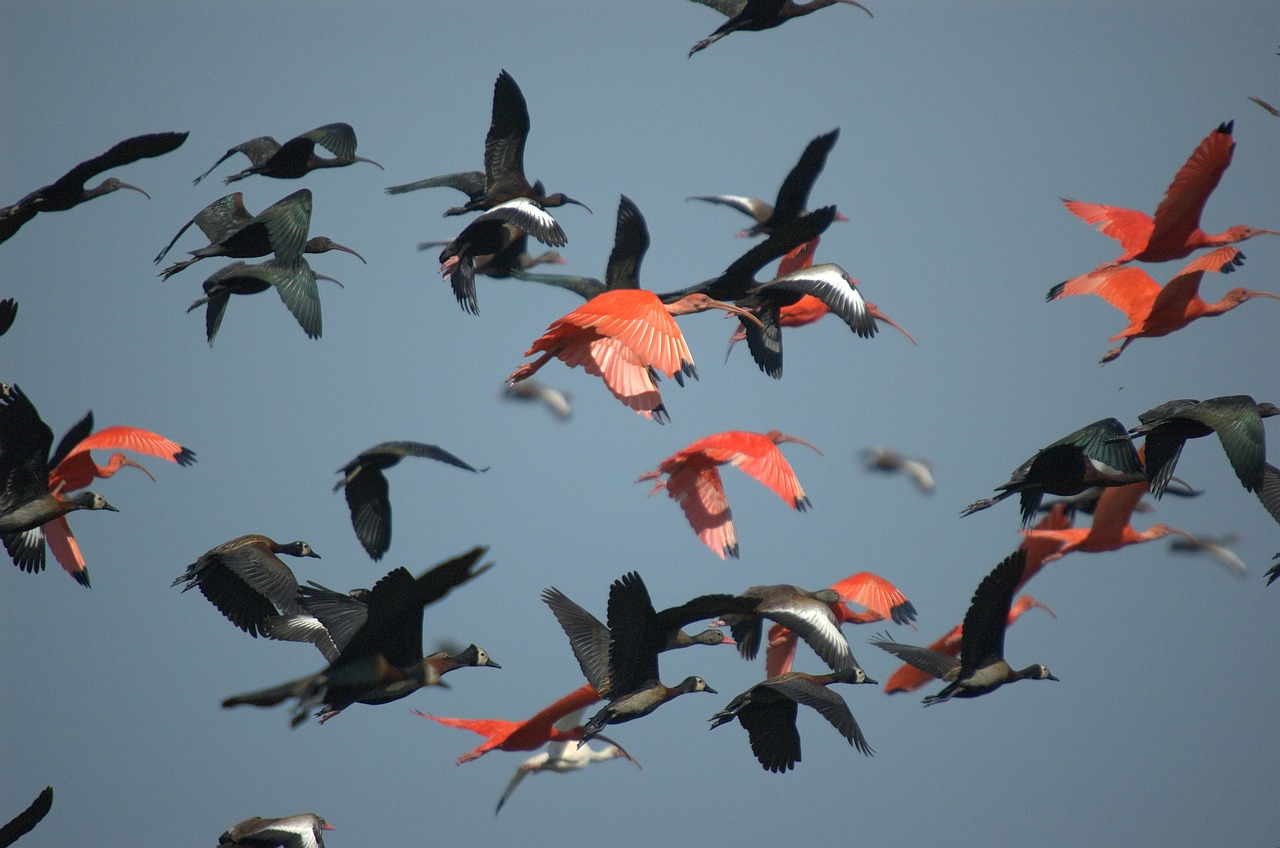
{"points": [[185, 457], [1055, 292]]}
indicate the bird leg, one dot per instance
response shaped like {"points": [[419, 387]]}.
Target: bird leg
{"points": [[656, 476], [528, 369], [1114, 353]]}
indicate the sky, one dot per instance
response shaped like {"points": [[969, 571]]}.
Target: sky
{"points": [[961, 127]]}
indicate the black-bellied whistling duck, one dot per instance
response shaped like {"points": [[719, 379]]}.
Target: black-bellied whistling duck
{"points": [[367, 491], [757, 15], [304, 830], [280, 228], [69, 190], [693, 480], [1237, 419], [246, 581], [297, 156], [383, 660], [768, 712], [1099, 454], [325, 618], [26, 501], [981, 667]]}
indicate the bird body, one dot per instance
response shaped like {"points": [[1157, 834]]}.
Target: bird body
{"points": [[810, 615], [292, 279], [301, 831], [297, 156], [562, 758], [757, 15], [693, 480]]}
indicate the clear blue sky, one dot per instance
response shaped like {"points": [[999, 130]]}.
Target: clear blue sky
{"points": [[961, 126]]}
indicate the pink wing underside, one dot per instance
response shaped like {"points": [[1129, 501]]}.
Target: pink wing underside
{"points": [[757, 456], [622, 370], [77, 466], [1128, 226], [65, 548], [698, 490]]}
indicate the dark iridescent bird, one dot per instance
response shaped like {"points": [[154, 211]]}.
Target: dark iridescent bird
{"points": [[70, 190], [793, 196], [325, 618], [981, 667], [1099, 454], [297, 156], [509, 260], [768, 712], [367, 491], [26, 503], [504, 177], [470, 183], [8, 312], [623, 668], [281, 228], [1237, 419], [246, 581], [383, 660], [293, 279], [24, 821], [494, 231], [304, 830], [756, 15]]}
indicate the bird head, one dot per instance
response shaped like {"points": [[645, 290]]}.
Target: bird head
{"points": [[778, 437], [322, 244]]}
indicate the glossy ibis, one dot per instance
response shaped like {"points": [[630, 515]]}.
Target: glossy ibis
{"points": [[26, 502], [1175, 231], [305, 830], [70, 189], [297, 156], [367, 491], [513, 258], [470, 183], [757, 15], [292, 279], [693, 480], [981, 667], [281, 228], [383, 660], [768, 712]]}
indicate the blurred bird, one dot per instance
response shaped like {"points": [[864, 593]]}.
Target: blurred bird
{"points": [[26, 501], [693, 480], [1217, 547], [981, 667], [888, 461], [768, 712], [1175, 231], [304, 830], [24, 821], [297, 156], [281, 228], [531, 391], [70, 189], [756, 15], [367, 492]]}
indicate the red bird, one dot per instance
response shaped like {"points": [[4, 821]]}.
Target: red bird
{"points": [[694, 482], [882, 599], [1175, 231], [74, 468], [1155, 311]]}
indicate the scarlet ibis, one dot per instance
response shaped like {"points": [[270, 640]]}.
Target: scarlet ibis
{"points": [[881, 598], [498, 228], [1237, 419], [694, 481], [24, 821], [504, 177], [1155, 311], [558, 402], [304, 830], [368, 494], [292, 279], [1218, 547], [8, 312], [768, 712], [74, 468], [793, 196], [632, 684], [1175, 231], [70, 190], [246, 581], [280, 228], [561, 758], [888, 461], [625, 334], [383, 660], [325, 618], [757, 15], [26, 501], [981, 667], [1098, 454], [297, 156]]}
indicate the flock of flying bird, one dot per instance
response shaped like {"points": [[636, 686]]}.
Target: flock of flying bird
{"points": [[371, 639]]}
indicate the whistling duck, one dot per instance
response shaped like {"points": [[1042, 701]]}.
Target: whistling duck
{"points": [[768, 712], [325, 618]]}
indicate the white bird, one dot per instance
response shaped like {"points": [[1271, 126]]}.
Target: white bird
{"points": [[562, 757], [558, 402], [1214, 546], [889, 461]]}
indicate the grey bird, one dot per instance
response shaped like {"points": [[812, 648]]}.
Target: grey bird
{"points": [[304, 830]]}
